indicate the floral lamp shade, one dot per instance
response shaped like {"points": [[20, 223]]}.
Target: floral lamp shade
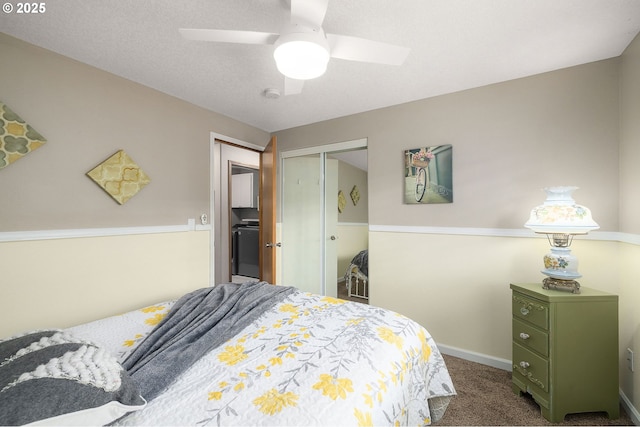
{"points": [[560, 218], [561, 214], [120, 177], [17, 137]]}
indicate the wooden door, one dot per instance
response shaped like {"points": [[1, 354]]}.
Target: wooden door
{"points": [[267, 213]]}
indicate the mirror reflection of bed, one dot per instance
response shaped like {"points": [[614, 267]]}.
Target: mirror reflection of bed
{"points": [[354, 285], [352, 228]]}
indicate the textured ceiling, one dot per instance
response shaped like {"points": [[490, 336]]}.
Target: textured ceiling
{"points": [[455, 45]]}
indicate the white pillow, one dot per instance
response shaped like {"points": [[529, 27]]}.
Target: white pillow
{"points": [[99, 416]]}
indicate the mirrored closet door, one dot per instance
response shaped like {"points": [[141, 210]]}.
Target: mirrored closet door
{"points": [[310, 228]]}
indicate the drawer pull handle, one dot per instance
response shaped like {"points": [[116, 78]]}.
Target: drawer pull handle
{"points": [[524, 336], [524, 311], [524, 364]]}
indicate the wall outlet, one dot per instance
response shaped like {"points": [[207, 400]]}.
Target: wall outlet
{"points": [[630, 359]]}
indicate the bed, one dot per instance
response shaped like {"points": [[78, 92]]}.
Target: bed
{"points": [[356, 277], [250, 354]]}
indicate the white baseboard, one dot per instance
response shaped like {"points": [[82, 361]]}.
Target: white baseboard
{"points": [[505, 364], [484, 359], [631, 410]]}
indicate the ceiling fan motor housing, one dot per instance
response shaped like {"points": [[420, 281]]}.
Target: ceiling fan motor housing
{"points": [[302, 52]]}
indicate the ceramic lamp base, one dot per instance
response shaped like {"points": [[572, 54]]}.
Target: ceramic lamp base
{"points": [[561, 284]]}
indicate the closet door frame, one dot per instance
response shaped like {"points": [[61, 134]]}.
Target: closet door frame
{"points": [[322, 150]]}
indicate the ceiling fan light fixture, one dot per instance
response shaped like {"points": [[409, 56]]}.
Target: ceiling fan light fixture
{"points": [[302, 56]]}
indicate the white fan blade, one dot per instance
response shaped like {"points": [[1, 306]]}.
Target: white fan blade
{"points": [[293, 86], [229, 36], [310, 12], [364, 50]]}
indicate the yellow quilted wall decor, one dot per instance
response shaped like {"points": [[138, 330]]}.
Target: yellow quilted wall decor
{"points": [[355, 195], [120, 177], [17, 138], [342, 201]]}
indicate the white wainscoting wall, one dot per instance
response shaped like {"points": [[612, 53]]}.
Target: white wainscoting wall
{"points": [[56, 279]]}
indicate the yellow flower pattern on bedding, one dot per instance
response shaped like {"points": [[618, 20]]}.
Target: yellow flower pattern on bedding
{"points": [[309, 350], [389, 336], [232, 354], [310, 360], [334, 387], [158, 312], [157, 317], [273, 402], [132, 342]]}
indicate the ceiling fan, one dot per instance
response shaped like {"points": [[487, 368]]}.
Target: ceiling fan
{"points": [[302, 48]]}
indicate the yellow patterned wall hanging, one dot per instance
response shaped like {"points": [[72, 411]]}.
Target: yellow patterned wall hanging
{"points": [[17, 138], [119, 176], [355, 195], [342, 201]]}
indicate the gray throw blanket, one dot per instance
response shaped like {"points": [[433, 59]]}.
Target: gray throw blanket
{"points": [[198, 322], [362, 261]]}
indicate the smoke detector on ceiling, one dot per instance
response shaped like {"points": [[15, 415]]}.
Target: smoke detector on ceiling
{"points": [[271, 93]]}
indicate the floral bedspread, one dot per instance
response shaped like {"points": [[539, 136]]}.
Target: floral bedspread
{"points": [[310, 360]]}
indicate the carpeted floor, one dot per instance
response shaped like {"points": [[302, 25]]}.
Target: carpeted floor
{"points": [[485, 399]]}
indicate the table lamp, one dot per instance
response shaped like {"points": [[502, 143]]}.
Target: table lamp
{"points": [[560, 218]]}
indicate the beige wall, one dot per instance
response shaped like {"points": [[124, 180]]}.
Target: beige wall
{"points": [[458, 285], [87, 115], [509, 141], [575, 126], [348, 176], [630, 139], [629, 218], [353, 230], [352, 238]]}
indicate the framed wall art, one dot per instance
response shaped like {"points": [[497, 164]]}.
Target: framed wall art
{"points": [[428, 175], [119, 176], [17, 137], [342, 201], [355, 195]]}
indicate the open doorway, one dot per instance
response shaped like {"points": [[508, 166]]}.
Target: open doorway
{"points": [[244, 225], [225, 153]]}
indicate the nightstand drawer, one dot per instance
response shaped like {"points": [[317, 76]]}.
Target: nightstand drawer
{"points": [[532, 369], [530, 337], [530, 310]]}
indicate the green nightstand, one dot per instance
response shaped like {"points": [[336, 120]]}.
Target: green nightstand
{"points": [[565, 350]]}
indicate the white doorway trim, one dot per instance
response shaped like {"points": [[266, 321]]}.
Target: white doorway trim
{"points": [[338, 146], [214, 191]]}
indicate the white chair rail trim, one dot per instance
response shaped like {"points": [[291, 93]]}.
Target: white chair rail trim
{"points": [[21, 236], [17, 236], [633, 239]]}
